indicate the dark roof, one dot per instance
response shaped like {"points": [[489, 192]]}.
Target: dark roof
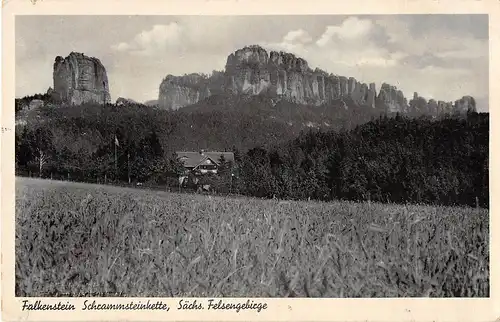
{"points": [[193, 159]]}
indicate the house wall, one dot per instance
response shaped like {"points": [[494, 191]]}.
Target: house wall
{"points": [[203, 171]]}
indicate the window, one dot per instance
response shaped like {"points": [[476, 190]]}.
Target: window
{"points": [[208, 167]]}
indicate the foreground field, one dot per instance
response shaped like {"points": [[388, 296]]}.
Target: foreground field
{"points": [[81, 239]]}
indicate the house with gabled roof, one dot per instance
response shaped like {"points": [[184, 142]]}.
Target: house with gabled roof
{"points": [[204, 162]]}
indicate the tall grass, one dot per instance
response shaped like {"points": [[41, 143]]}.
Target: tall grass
{"points": [[89, 240]]}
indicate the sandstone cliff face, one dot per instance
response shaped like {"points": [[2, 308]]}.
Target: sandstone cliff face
{"points": [[444, 107], [462, 106], [80, 79], [279, 75], [432, 107], [124, 101], [419, 105], [179, 91], [245, 71], [393, 98], [252, 70], [465, 104]]}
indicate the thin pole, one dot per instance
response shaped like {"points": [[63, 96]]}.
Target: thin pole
{"points": [[116, 164], [128, 166]]}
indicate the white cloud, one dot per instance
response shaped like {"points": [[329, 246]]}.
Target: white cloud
{"points": [[350, 29], [440, 43], [153, 41], [355, 47], [300, 36], [352, 43], [408, 52], [397, 30], [121, 46], [349, 44], [185, 34], [479, 51]]}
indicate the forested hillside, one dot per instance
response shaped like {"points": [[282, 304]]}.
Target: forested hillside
{"points": [[281, 151], [389, 159]]}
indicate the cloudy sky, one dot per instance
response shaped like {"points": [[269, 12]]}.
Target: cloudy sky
{"points": [[439, 56]]}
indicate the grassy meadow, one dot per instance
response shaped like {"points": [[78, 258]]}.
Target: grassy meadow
{"points": [[75, 239]]}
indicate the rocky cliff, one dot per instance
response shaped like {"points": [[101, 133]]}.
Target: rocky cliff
{"points": [[79, 79], [120, 101], [465, 104], [179, 91], [252, 70], [419, 105], [393, 98]]}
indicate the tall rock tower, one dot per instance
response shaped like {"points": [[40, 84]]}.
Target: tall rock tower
{"points": [[80, 79]]}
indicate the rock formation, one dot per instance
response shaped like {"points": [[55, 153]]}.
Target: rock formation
{"points": [[372, 92], [465, 104], [444, 107], [179, 91], [124, 101], [280, 75], [252, 70], [432, 107], [418, 105], [393, 98], [35, 104], [80, 79]]}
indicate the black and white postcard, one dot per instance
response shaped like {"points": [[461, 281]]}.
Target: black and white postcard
{"points": [[234, 160]]}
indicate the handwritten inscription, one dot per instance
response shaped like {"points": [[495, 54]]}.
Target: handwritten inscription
{"points": [[248, 305], [184, 304], [39, 306], [93, 305], [221, 305], [189, 305]]}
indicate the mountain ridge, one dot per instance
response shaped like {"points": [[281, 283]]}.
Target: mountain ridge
{"points": [[282, 75]]}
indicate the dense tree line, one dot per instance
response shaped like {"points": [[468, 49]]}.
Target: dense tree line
{"points": [[388, 160], [22, 103], [398, 159]]}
